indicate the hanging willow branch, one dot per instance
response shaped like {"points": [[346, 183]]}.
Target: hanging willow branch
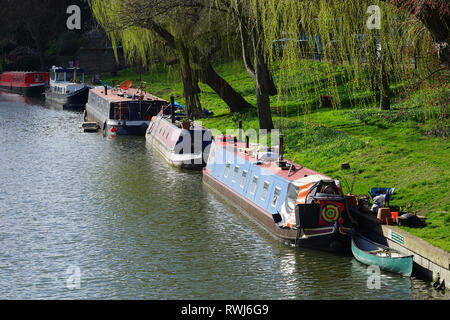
{"points": [[336, 32]]}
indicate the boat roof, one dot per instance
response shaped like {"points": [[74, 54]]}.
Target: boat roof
{"points": [[300, 172], [69, 70], [23, 72], [113, 96]]}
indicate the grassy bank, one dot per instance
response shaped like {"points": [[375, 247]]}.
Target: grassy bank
{"points": [[406, 147]]}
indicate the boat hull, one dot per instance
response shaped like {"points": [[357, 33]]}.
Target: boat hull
{"points": [[31, 91], [74, 101], [325, 239], [189, 161], [402, 265], [135, 128]]}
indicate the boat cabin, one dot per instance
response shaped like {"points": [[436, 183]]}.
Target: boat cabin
{"points": [[290, 200], [21, 78], [66, 80]]}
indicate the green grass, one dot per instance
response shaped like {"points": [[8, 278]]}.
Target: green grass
{"points": [[406, 147]]}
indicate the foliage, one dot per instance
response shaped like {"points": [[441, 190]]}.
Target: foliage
{"points": [[66, 44], [336, 31]]}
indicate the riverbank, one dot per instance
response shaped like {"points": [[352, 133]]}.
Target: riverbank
{"points": [[406, 147]]}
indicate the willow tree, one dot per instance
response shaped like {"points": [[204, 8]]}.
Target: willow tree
{"points": [[369, 57], [165, 28], [246, 19]]}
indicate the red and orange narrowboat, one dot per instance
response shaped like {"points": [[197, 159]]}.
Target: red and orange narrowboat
{"points": [[28, 83]]}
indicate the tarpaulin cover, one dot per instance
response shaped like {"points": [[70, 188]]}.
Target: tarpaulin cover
{"points": [[298, 192]]}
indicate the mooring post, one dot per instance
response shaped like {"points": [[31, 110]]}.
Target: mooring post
{"points": [[247, 141], [172, 109]]}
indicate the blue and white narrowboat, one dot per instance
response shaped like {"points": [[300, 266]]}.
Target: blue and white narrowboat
{"points": [[182, 147], [296, 204], [122, 112]]}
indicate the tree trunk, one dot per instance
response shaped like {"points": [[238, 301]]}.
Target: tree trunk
{"points": [[437, 23], [263, 99], [190, 83], [262, 86], [385, 91], [264, 114], [206, 74], [233, 99], [438, 26], [259, 72]]}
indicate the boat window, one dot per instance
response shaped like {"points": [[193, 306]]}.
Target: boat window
{"points": [[276, 196], [41, 78], [59, 76], [235, 173], [254, 184], [227, 170], [243, 178], [36, 78], [265, 190], [167, 135], [69, 76], [150, 127]]}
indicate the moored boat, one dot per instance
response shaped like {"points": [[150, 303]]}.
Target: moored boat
{"points": [[294, 203], [122, 112], [29, 83], [372, 253], [182, 147], [67, 88]]}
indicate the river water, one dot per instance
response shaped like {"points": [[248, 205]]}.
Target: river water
{"points": [[84, 216]]}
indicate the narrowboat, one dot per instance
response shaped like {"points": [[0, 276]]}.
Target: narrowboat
{"points": [[26, 83], [294, 203], [122, 112], [67, 88], [372, 253], [182, 147]]}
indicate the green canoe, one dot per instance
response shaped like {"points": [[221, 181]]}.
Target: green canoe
{"points": [[371, 253]]}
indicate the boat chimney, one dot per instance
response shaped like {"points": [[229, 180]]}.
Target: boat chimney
{"points": [[106, 90], [172, 109], [281, 147]]}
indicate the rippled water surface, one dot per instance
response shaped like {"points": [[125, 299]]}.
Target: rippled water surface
{"points": [[136, 228]]}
